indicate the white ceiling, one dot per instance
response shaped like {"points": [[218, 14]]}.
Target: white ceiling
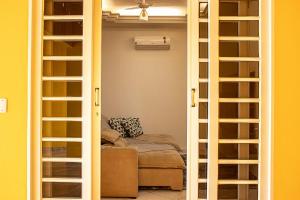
{"points": [[159, 8]]}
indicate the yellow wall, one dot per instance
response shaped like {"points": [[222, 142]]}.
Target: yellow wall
{"points": [[287, 98], [13, 81], [13, 85]]}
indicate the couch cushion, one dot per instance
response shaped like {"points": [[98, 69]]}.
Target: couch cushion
{"points": [[121, 142], [161, 159], [155, 139], [119, 172], [158, 156], [132, 126], [110, 136], [117, 124]]}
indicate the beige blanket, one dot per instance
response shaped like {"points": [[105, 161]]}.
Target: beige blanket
{"points": [[157, 151], [155, 139]]}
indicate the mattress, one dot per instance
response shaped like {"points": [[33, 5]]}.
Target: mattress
{"points": [[157, 151], [155, 139]]}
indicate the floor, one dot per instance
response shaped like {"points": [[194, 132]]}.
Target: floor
{"points": [[156, 195]]}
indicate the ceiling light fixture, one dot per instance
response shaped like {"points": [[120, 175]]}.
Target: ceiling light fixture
{"points": [[141, 4], [144, 15]]}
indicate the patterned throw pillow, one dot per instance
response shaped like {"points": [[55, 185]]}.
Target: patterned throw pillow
{"points": [[116, 124], [132, 126]]}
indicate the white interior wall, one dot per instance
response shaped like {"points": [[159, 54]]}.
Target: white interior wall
{"points": [[149, 84]]}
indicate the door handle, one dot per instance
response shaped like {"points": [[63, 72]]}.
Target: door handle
{"points": [[97, 97], [193, 97]]}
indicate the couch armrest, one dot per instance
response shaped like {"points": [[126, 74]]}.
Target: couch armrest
{"points": [[119, 172]]}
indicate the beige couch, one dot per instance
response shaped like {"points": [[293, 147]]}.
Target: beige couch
{"points": [[148, 160], [119, 172]]}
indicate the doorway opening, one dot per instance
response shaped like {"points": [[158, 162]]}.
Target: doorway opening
{"points": [[144, 90], [175, 81]]}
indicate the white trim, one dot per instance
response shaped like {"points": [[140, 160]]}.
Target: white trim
{"points": [[239, 18], [203, 140], [203, 40], [61, 139], [268, 101], [192, 112], [238, 182], [87, 56], [239, 59], [203, 100], [76, 38], [227, 79], [202, 60], [202, 160], [62, 98], [202, 180], [203, 20], [63, 58], [213, 95], [238, 120], [29, 62], [245, 162], [96, 112], [271, 67], [67, 1], [238, 38], [34, 111], [62, 198], [62, 119], [64, 18], [62, 180], [203, 80], [239, 100], [60, 159], [261, 194], [63, 78], [238, 141], [203, 121]]}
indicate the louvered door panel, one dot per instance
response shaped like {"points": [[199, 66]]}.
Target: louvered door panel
{"points": [[230, 99], [203, 98], [239, 100], [64, 72]]}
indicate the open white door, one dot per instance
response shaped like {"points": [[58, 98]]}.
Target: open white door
{"points": [[230, 94], [65, 121]]}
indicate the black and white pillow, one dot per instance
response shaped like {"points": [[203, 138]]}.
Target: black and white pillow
{"points": [[132, 126], [117, 124]]}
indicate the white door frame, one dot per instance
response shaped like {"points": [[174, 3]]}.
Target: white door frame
{"points": [[192, 148], [91, 142], [267, 91]]}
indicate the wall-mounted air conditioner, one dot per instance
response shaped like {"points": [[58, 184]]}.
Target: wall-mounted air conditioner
{"points": [[152, 43]]}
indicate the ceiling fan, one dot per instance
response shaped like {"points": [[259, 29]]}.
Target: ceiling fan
{"points": [[142, 4]]}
